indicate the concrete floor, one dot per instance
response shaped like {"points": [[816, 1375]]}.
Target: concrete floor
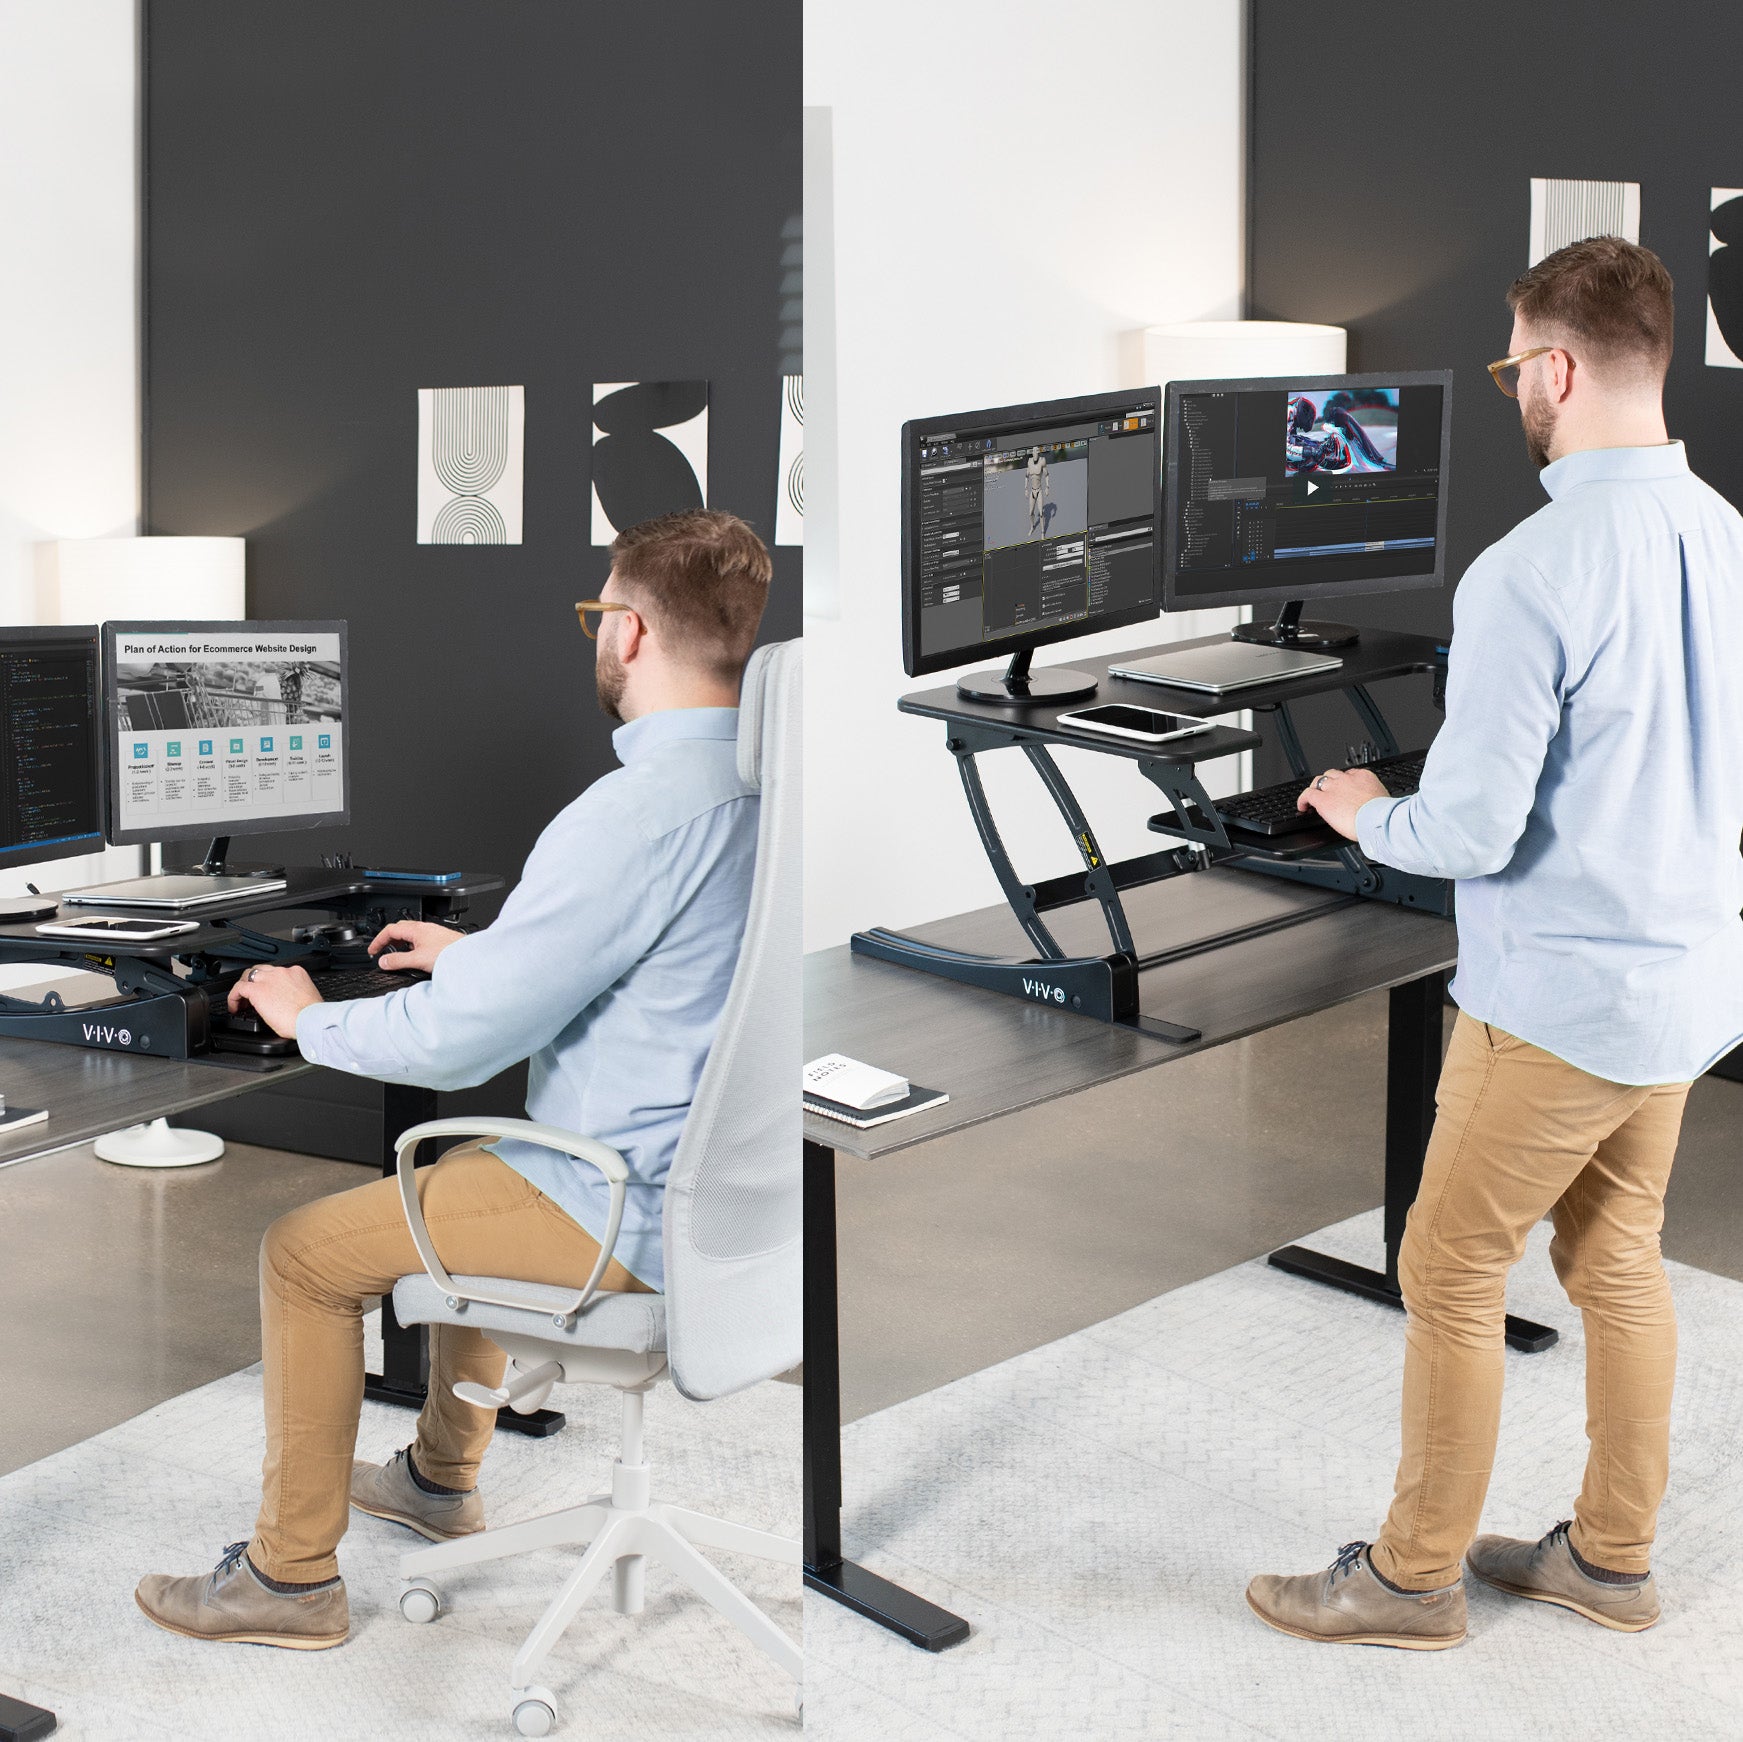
{"points": [[122, 1287], [964, 1252]]}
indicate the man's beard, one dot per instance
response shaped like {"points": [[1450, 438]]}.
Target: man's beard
{"points": [[1539, 425], [610, 677]]}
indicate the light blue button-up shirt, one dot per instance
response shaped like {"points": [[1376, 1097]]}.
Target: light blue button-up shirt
{"points": [[606, 969], [1587, 786]]}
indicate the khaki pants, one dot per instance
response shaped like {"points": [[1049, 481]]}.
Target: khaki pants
{"points": [[318, 1267], [1520, 1134]]}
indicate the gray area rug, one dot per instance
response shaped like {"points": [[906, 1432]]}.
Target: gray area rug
{"points": [[1095, 1508], [166, 1491]]}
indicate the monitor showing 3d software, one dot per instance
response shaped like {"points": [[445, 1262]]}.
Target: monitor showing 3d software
{"points": [[1028, 524], [51, 745], [1289, 489], [222, 729]]}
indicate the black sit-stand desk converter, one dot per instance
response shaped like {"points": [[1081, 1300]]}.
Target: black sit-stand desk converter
{"points": [[145, 1053], [1316, 924]]}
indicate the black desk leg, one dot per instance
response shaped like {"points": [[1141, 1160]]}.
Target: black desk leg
{"points": [[405, 1350], [1413, 1050], [919, 1622]]}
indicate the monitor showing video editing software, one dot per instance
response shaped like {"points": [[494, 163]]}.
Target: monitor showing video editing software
{"points": [[1027, 525], [220, 729], [1299, 489]]}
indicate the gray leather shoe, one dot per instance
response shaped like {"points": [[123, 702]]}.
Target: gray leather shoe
{"points": [[1546, 1572], [231, 1606], [388, 1491], [1348, 1605]]}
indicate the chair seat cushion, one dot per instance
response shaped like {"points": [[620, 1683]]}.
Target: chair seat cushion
{"points": [[632, 1322]]}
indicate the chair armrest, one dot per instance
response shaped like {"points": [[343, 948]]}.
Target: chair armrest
{"points": [[588, 1149]]}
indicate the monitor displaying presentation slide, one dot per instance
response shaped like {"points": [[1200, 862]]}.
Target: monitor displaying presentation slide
{"points": [[51, 789], [1296, 489], [224, 728], [1029, 524]]}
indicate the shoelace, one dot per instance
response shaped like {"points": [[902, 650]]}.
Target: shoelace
{"points": [[228, 1562], [1560, 1530], [1349, 1558]]}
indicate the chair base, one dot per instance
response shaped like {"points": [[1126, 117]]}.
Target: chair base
{"points": [[623, 1530]]}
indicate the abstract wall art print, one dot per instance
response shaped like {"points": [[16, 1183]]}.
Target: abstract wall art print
{"points": [[1565, 211], [1725, 279], [650, 451], [790, 489], [471, 459]]}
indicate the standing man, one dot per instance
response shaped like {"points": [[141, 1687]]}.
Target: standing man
{"points": [[1586, 791], [606, 969]]}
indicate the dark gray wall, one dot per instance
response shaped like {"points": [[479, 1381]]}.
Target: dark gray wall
{"points": [[345, 203], [1391, 152]]}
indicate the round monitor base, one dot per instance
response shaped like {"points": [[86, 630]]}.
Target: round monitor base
{"points": [[19, 909], [1051, 683], [1308, 637]]}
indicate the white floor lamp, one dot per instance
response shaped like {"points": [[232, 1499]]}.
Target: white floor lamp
{"points": [[189, 580]]}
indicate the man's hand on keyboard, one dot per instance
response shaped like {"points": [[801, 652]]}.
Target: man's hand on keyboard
{"points": [[278, 996], [1338, 794], [416, 944]]}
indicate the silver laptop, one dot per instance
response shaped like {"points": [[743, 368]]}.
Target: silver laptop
{"points": [[1224, 665], [172, 892]]}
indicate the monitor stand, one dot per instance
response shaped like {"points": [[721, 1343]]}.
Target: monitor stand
{"points": [[1289, 631], [1017, 685]]}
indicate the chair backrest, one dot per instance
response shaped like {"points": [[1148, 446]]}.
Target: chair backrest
{"points": [[735, 1193]]}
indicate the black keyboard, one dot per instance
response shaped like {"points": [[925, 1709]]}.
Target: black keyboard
{"points": [[335, 984], [243, 1031], [1271, 810]]}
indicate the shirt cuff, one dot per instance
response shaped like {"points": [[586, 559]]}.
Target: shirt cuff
{"points": [[1371, 821], [315, 1025]]}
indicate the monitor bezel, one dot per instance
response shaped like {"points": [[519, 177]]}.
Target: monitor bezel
{"points": [[210, 829], [1175, 391], [917, 664], [39, 854]]}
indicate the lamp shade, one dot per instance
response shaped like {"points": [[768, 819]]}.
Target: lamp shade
{"points": [[113, 579], [1235, 350]]}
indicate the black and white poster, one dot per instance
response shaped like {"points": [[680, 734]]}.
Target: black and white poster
{"points": [[471, 457], [650, 451], [1725, 279]]}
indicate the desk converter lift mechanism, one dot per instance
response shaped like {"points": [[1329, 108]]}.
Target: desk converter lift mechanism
{"points": [[1106, 987]]}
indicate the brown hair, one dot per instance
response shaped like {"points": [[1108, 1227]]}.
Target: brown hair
{"points": [[701, 578], [1613, 298]]}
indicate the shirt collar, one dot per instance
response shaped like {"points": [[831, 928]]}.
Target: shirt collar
{"points": [[641, 735], [1614, 465]]}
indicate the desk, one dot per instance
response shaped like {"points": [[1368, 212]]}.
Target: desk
{"points": [[1302, 950]]}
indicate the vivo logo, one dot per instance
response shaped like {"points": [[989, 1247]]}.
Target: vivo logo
{"points": [[1040, 989], [95, 1032]]}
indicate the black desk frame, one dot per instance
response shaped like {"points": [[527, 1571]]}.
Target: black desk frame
{"points": [[1106, 988]]}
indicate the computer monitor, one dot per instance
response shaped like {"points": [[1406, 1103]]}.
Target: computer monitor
{"points": [[220, 729], [51, 786], [1026, 525], [1289, 489]]}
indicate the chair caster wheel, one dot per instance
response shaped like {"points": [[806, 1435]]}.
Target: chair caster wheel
{"points": [[535, 1712], [422, 1602]]}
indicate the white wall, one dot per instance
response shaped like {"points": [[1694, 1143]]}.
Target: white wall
{"points": [[69, 304], [1106, 196]]}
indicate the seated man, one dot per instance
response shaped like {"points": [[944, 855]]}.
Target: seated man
{"points": [[607, 969]]}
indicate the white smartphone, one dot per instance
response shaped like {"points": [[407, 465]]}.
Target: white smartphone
{"points": [[1146, 725], [117, 931]]}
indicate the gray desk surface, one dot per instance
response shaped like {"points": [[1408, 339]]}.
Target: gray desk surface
{"points": [[88, 1092], [997, 1055]]}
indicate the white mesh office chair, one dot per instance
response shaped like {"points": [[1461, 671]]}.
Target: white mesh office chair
{"points": [[730, 1316]]}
